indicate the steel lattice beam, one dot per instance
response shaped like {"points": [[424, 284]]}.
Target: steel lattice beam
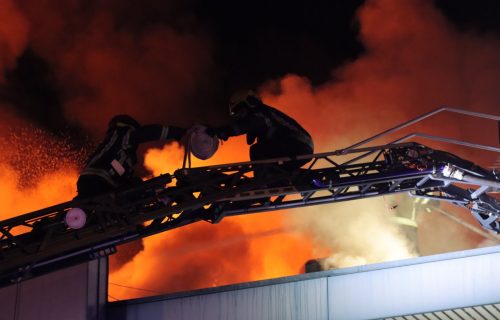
{"points": [[211, 193]]}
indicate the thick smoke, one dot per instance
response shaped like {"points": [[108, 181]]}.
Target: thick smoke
{"points": [[13, 35], [358, 232], [107, 61], [107, 64], [415, 61], [107, 58]]}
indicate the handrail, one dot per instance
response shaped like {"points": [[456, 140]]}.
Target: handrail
{"points": [[420, 118]]}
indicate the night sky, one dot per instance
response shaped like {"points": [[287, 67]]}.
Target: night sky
{"points": [[246, 43]]}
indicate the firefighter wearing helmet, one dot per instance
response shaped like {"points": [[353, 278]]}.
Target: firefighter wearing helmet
{"points": [[112, 164], [269, 132]]}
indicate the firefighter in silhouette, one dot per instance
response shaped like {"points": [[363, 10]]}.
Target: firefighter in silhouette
{"points": [[269, 132], [112, 164]]}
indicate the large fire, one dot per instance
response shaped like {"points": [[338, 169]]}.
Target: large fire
{"points": [[414, 62], [202, 255]]}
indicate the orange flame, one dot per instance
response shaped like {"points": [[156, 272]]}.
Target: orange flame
{"points": [[36, 171], [414, 62], [238, 249]]}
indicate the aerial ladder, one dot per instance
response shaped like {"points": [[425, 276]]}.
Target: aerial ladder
{"points": [[84, 229]]}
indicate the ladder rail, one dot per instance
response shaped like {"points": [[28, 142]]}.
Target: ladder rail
{"points": [[227, 190]]}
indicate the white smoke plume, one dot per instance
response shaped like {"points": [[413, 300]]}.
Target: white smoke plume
{"points": [[415, 62]]}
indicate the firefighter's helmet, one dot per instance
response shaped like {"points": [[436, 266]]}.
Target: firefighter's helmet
{"points": [[242, 101]]}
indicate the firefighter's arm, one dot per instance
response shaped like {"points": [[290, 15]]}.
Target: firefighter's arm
{"points": [[154, 132], [250, 124], [225, 132]]}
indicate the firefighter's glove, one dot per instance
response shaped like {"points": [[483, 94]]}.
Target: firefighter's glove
{"points": [[221, 134]]}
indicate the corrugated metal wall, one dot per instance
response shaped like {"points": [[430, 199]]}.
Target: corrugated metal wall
{"points": [[297, 300], [73, 293], [447, 281], [408, 289]]}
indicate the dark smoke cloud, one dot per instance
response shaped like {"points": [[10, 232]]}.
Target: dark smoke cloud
{"points": [[128, 44], [13, 35], [154, 59], [88, 60], [415, 61], [76, 64], [106, 63]]}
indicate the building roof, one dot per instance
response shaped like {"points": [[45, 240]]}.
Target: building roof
{"points": [[456, 285]]}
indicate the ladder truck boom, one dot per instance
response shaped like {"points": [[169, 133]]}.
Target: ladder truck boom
{"points": [[82, 229]]}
